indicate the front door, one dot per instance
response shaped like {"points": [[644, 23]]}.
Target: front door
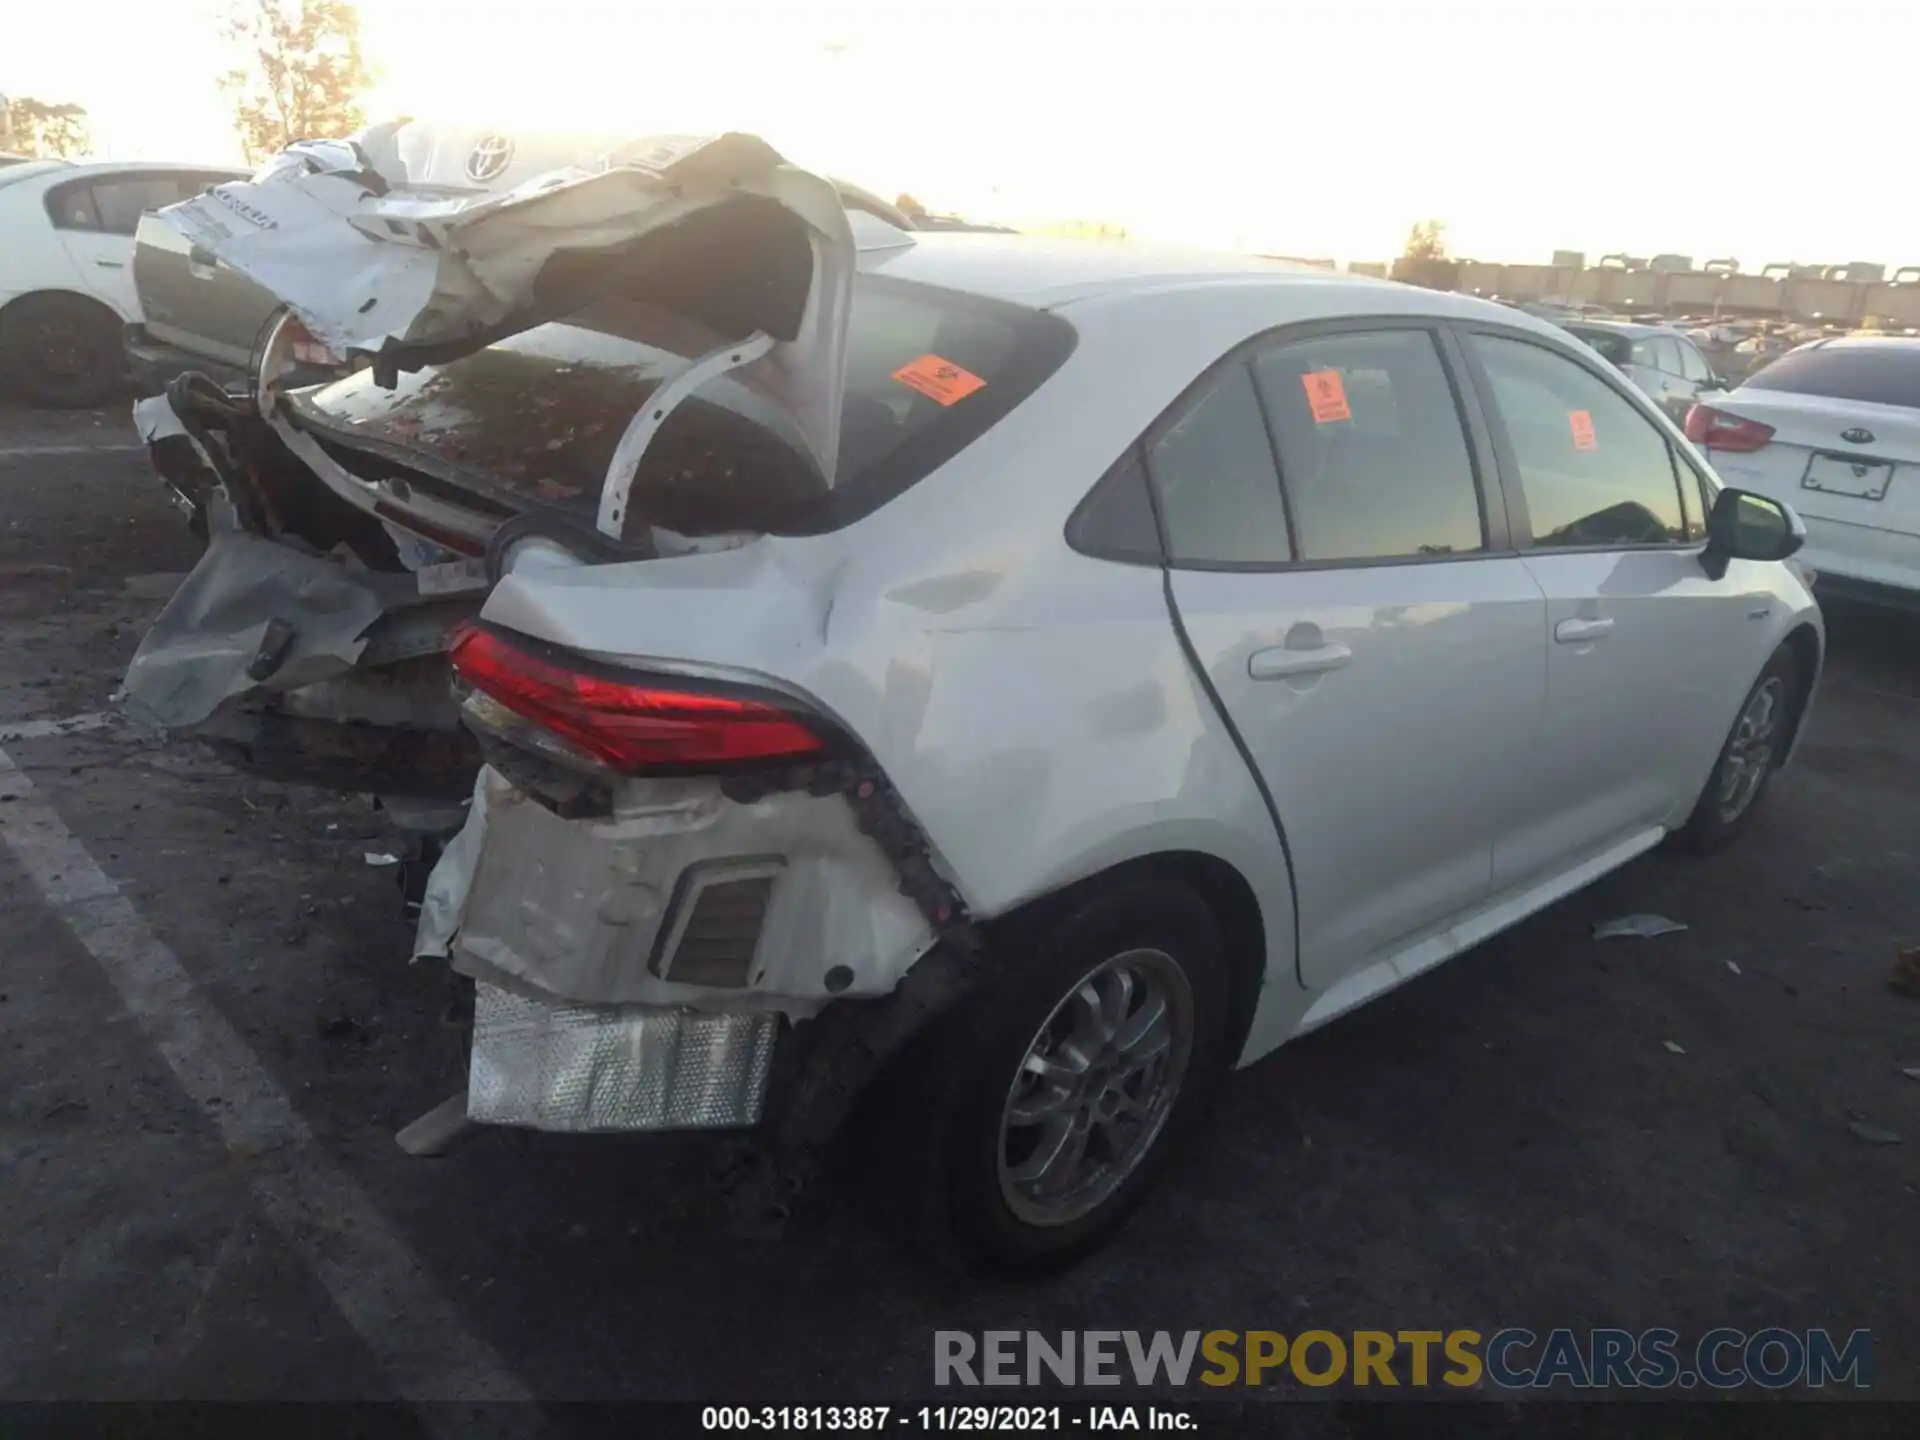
{"points": [[1336, 574], [1648, 658]]}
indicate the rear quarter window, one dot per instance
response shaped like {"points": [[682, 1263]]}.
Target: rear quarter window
{"points": [[1875, 375]]}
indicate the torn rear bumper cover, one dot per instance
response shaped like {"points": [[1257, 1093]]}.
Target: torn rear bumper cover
{"points": [[635, 971]]}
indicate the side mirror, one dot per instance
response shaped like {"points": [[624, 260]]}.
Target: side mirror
{"points": [[1746, 526]]}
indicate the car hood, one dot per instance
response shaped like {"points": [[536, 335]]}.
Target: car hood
{"points": [[721, 231]]}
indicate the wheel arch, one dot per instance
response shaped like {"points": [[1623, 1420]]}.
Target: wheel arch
{"points": [[64, 292], [1805, 643], [1221, 887]]}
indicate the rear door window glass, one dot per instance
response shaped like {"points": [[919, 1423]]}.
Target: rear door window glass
{"points": [[1593, 469], [1656, 354], [1373, 458], [1874, 374], [1693, 364], [1612, 346], [124, 199], [1213, 469]]}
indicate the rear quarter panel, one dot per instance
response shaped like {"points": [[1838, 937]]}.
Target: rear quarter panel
{"points": [[32, 258]]}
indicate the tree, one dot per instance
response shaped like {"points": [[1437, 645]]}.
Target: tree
{"points": [[45, 130], [1424, 260], [302, 76]]}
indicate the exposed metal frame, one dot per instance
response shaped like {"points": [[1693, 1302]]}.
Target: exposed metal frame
{"points": [[640, 431]]}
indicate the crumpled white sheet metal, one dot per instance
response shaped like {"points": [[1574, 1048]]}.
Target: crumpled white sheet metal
{"points": [[572, 907], [445, 895], [198, 652], [581, 1068], [367, 271]]}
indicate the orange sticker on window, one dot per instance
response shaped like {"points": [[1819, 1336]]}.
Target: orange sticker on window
{"points": [[1326, 396], [1581, 423], [938, 379]]}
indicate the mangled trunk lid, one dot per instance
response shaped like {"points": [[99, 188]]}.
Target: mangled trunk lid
{"points": [[351, 520], [720, 232]]}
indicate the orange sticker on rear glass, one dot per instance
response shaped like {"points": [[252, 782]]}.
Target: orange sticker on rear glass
{"points": [[938, 379], [1326, 396], [1581, 423]]}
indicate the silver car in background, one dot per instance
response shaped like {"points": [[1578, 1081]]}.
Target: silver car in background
{"points": [[1661, 361]]}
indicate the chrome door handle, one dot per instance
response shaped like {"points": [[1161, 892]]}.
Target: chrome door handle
{"points": [[111, 264], [1578, 631], [1279, 662]]}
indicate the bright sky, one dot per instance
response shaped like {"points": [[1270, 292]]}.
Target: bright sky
{"points": [[1703, 127]]}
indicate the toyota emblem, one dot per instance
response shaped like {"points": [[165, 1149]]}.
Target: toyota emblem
{"points": [[1857, 436], [490, 158]]}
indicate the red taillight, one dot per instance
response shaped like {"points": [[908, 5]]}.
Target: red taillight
{"points": [[308, 351], [1714, 429], [626, 725]]}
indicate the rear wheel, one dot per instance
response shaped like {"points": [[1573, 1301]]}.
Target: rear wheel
{"points": [[61, 351], [1752, 752], [1064, 1090]]}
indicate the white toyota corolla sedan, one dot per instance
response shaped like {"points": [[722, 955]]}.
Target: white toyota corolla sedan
{"points": [[1043, 675]]}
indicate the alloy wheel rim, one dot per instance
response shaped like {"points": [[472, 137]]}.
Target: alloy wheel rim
{"points": [[1095, 1087], [1750, 751]]}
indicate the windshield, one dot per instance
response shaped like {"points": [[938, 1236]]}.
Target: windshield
{"points": [[1612, 345], [1875, 374], [535, 419]]}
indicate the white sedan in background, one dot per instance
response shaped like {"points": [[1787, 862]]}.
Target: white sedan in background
{"points": [[1070, 670], [1833, 427], [66, 272]]}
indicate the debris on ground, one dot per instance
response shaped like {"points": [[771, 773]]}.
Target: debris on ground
{"points": [[1873, 1134], [380, 857], [339, 1027], [1912, 1072], [1734, 967], [1673, 1047], [1905, 979], [1641, 927]]}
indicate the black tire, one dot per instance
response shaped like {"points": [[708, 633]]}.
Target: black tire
{"points": [[1716, 822], [61, 351], [975, 1059]]}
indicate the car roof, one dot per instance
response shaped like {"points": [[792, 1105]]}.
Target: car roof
{"points": [[1630, 328], [135, 167], [43, 174], [1865, 342], [1046, 272]]}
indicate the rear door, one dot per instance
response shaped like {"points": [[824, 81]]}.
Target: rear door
{"points": [[1656, 364], [1842, 446], [1351, 595], [1648, 658]]}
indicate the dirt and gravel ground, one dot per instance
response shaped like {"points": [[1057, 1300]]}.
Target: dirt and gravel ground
{"points": [[202, 1196]]}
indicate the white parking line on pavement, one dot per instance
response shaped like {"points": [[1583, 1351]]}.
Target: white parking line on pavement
{"points": [[41, 729], [30, 452], [377, 1283]]}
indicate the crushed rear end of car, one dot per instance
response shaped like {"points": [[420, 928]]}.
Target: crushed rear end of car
{"points": [[661, 870]]}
